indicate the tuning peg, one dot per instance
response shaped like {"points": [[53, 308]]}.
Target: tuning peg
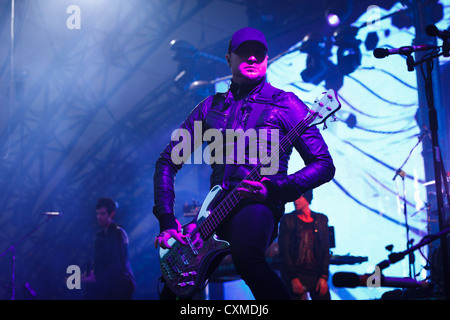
{"points": [[334, 119], [325, 127]]}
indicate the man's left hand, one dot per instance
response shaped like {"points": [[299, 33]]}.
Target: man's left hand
{"points": [[254, 190], [322, 287]]}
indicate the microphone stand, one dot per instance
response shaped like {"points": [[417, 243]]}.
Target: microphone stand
{"points": [[439, 170], [397, 256], [402, 174], [12, 249], [412, 271]]}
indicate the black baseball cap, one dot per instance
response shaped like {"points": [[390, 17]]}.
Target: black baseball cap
{"points": [[246, 34]]}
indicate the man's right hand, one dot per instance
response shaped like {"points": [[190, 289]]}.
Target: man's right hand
{"points": [[163, 238], [297, 286]]}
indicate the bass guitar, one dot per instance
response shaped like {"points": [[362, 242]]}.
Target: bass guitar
{"points": [[186, 267]]}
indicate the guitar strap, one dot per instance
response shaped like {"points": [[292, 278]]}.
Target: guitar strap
{"points": [[265, 97]]}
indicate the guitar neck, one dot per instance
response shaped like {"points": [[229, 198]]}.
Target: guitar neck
{"points": [[229, 202]]}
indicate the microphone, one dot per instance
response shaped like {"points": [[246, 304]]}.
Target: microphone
{"points": [[353, 280], [406, 50], [433, 31]]}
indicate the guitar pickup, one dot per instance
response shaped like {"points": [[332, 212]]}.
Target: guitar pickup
{"points": [[194, 251]]}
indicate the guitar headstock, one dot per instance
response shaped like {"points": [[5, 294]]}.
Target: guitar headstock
{"points": [[325, 107]]}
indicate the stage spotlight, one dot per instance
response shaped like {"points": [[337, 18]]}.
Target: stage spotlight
{"points": [[349, 54], [333, 20], [337, 12]]}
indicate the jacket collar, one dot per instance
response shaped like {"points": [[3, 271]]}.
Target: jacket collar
{"points": [[242, 90]]}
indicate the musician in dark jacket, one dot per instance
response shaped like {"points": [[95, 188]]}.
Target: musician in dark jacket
{"points": [[305, 251], [250, 103], [112, 277]]}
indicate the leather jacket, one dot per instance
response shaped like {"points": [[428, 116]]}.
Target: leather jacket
{"points": [[289, 240], [233, 110]]}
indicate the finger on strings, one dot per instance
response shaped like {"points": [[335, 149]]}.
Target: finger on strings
{"points": [[179, 237], [254, 184]]}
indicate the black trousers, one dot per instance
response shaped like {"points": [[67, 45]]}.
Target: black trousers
{"points": [[250, 232]]}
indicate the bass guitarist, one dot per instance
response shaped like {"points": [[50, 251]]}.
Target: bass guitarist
{"points": [[250, 102]]}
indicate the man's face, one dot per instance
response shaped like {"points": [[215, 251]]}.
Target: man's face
{"points": [[301, 203], [103, 218], [248, 62]]}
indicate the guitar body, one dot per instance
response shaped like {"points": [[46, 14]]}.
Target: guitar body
{"points": [[185, 268]]}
